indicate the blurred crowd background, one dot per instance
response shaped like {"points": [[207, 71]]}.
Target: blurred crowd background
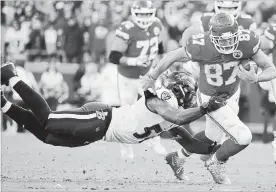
{"points": [[61, 47]]}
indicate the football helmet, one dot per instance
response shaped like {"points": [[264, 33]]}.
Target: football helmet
{"points": [[184, 87], [143, 13], [232, 7], [224, 32]]}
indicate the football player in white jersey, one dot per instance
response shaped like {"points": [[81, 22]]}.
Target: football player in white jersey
{"points": [[132, 124]]}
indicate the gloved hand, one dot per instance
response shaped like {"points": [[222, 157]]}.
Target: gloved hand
{"points": [[214, 103]]}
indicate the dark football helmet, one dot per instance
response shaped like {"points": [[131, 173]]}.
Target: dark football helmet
{"points": [[184, 87]]}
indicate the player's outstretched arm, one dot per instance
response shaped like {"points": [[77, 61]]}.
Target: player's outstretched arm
{"points": [[180, 116], [167, 61]]}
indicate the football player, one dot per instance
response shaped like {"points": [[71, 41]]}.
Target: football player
{"points": [[268, 44], [219, 53], [133, 124], [233, 7], [136, 46]]}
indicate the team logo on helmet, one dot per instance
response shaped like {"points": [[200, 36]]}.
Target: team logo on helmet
{"points": [[156, 31], [165, 96], [237, 54]]}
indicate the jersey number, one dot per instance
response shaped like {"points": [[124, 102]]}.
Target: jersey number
{"points": [[148, 132], [216, 79], [198, 39], [151, 44]]}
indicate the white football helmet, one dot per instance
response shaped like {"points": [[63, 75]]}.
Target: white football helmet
{"points": [[233, 7], [143, 13]]}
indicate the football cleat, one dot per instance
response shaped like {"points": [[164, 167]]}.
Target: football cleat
{"points": [[7, 71], [177, 165], [218, 171]]}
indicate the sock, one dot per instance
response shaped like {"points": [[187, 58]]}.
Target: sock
{"points": [[215, 159], [6, 106], [13, 81]]}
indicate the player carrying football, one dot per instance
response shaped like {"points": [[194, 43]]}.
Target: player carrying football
{"points": [[219, 53], [136, 45]]}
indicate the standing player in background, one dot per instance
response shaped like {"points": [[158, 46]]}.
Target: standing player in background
{"points": [[268, 102], [134, 49], [220, 51], [233, 7]]}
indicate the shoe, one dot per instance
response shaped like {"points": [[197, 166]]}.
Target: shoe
{"points": [[274, 150], [177, 165], [7, 71], [218, 171]]}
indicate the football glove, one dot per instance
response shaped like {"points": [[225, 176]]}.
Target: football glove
{"points": [[214, 103]]}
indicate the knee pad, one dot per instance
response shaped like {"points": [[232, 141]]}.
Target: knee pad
{"points": [[242, 135]]}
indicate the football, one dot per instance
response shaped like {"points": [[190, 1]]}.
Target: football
{"points": [[247, 64]]}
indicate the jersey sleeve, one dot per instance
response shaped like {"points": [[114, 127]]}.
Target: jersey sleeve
{"points": [[270, 33], [247, 22], [250, 43], [192, 50], [124, 30]]}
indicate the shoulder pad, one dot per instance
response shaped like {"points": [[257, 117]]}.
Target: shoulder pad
{"points": [[192, 50], [123, 31], [208, 14], [249, 43], [245, 16], [205, 20]]}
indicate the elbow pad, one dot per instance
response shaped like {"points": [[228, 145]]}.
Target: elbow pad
{"points": [[115, 56], [161, 48]]}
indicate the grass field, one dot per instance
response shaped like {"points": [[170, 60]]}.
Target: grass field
{"points": [[29, 165]]}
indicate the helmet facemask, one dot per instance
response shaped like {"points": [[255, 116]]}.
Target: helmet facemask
{"points": [[184, 89], [143, 16], [226, 43], [232, 7]]}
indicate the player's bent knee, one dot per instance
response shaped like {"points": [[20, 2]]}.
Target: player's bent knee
{"points": [[243, 136]]}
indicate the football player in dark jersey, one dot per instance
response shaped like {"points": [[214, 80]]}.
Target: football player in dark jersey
{"points": [[220, 53]]}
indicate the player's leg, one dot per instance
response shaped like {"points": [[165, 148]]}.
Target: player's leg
{"points": [[23, 117], [127, 96], [31, 98], [89, 122], [226, 121], [190, 145]]}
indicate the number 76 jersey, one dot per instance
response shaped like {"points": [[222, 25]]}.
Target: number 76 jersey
{"points": [[218, 71]]}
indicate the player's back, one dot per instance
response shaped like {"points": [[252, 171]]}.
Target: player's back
{"points": [[218, 71], [140, 42], [130, 123]]}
